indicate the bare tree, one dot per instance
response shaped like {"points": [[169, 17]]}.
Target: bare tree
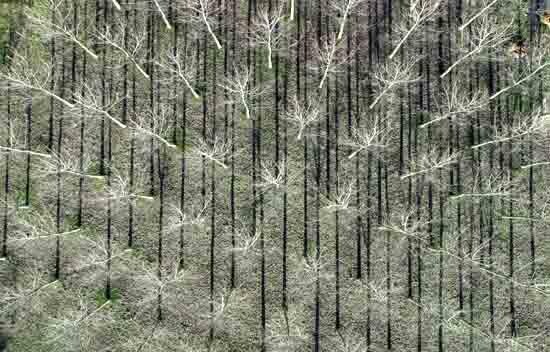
{"points": [[20, 298], [430, 162], [344, 9], [57, 25], [65, 163], [150, 285], [131, 48], [455, 104], [87, 103], [26, 75], [406, 224], [486, 34], [391, 75], [120, 192], [538, 64], [287, 331], [16, 138], [216, 151], [193, 216], [331, 57], [203, 11], [303, 116], [372, 136], [341, 197], [419, 12], [272, 175], [37, 225], [155, 124], [239, 86], [181, 65], [73, 329], [536, 123], [269, 31], [491, 185], [477, 14]]}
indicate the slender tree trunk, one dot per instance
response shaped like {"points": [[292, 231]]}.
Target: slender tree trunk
{"points": [[305, 101], [52, 79], [234, 60], [491, 215], [152, 32], [261, 228], [285, 194], [132, 147], [7, 61], [163, 174], [28, 113], [82, 129], [183, 166]]}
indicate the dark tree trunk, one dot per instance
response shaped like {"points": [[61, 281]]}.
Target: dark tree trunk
{"points": [[82, 129]]}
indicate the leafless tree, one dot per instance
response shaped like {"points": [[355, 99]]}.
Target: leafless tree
{"points": [[340, 199], [72, 329], [132, 49], [26, 75], [150, 285], [36, 225], [203, 11], [407, 224], [182, 65], [420, 11], [272, 175], [393, 74], [64, 163], [193, 216], [344, 9], [269, 31], [373, 136], [303, 116], [534, 124], [287, 331], [21, 297], [87, 103], [154, 123], [539, 63], [215, 151], [431, 161], [486, 34], [239, 86], [120, 192], [456, 104], [331, 57], [492, 185], [16, 141], [58, 25], [477, 14]]}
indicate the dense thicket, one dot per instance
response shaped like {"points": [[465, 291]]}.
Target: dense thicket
{"points": [[347, 175]]}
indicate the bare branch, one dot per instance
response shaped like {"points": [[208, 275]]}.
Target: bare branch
{"points": [[345, 8], [303, 116], [515, 84], [478, 13], [391, 75], [430, 162], [419, 11], [457, 104], [485, 35], [166, 22]]}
